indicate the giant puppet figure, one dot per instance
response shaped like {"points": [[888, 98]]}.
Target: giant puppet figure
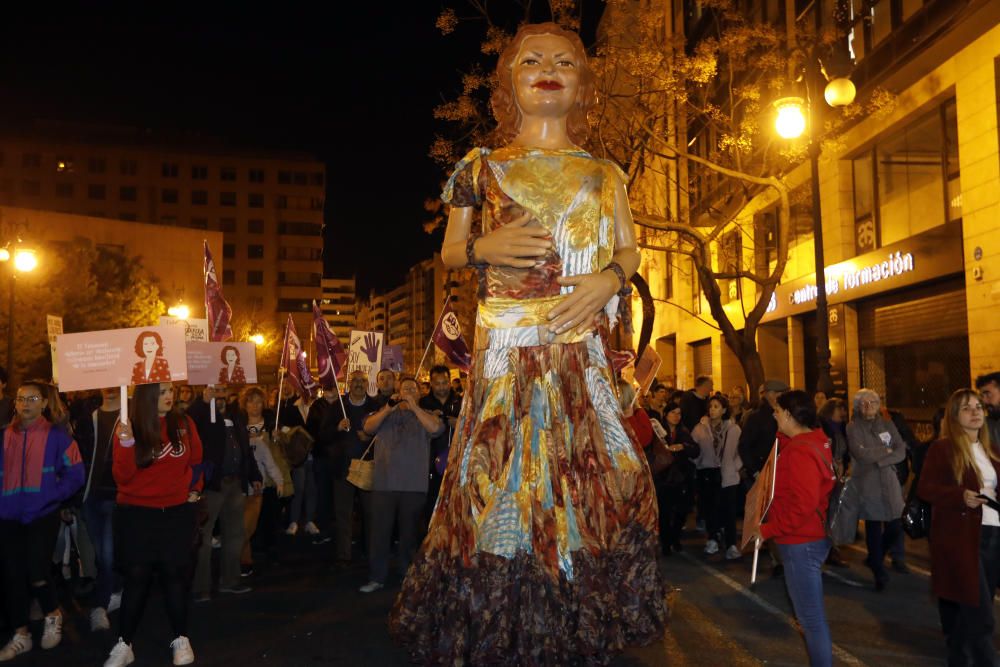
{"points": [[542, 547]]}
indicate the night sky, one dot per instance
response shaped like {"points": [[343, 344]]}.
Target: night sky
{"points": [[353, 84]]}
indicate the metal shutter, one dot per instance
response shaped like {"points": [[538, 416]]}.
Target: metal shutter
{"points": [[927, 313], [702, 357]]}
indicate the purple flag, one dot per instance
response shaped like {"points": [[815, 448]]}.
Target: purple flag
{"points": [[448, 337], [330, 354], [293, 360], [217, 310]]}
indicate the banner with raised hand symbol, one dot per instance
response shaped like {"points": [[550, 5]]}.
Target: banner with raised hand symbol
{"points": [[365, 354]]}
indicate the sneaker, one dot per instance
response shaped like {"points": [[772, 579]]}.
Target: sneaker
{"points": [[238, 589], [216, 543], [322, 538], [711, 547], [733, 553], [121, 655], [246, 570], [17, 645], [311, 528], [52, 634], [115, 602], [183, 655], [371, 587], [99, 619], [292, 529]]}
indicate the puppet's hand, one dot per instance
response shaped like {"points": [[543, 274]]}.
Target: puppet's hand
{"points": [[514, 244], [592, 293]]}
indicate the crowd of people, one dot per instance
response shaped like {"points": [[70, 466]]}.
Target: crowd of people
{"points": [[149, 498], [121, 504]]}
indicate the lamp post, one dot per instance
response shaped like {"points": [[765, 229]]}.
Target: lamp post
{"points": [[795, 116], [24, 261]]}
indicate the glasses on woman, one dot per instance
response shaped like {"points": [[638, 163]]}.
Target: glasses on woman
{"points": [[27, 399]]}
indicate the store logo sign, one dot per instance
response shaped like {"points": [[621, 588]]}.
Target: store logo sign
{"points": [[896, 264]]}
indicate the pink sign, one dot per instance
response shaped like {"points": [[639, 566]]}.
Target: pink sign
{"points": [[222, 363], [116, 357]]}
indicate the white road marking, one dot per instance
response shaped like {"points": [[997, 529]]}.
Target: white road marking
{"points": [[839, 652]]}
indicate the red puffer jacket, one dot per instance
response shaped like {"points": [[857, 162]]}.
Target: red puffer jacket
{"points": [[803, 482]]}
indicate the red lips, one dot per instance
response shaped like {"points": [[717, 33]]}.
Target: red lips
{"points": [[549, 85]]}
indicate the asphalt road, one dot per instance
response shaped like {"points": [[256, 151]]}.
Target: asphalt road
{"points": [[302, 613]]}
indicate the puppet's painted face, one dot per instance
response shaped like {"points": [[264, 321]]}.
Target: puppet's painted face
{"points": [[546, 76]]}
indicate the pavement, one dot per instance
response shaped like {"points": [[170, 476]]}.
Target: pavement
{"points": [[302, 613]]}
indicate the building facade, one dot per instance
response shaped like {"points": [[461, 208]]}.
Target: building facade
{"points": [[910, 204], [339, 306], [268, 206]]}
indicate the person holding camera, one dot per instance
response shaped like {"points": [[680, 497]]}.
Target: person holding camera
{"points": [[402, 460]]}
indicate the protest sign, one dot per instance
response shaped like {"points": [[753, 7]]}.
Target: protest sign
{"points": [[195, 330], [392, 358], [758, 502], [365, 354], [228, 363], [645, 370], [54, 328], [118, 357]]}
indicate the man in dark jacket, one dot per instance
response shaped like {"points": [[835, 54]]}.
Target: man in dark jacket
{"points": [[444, 402], [760, 429], [350, 442], [230, 473], [694, 402], [989, 386], [324, 442]]}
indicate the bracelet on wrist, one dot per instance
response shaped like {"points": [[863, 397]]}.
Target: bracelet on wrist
{"points": [[470, 252], [624, 289]]}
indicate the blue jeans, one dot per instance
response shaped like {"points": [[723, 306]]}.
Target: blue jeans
{"points": [[97, 516], [804, 581]]}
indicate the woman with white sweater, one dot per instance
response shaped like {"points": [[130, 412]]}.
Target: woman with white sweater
{"points": [[718, 475]]}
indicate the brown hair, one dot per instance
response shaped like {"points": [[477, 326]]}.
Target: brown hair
{"points": [[148, 334], [503, 100], [55, 412], [249, 393], [226, 349], [960, 455], [145, 417]]}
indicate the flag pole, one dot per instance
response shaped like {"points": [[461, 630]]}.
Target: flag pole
{"points": [[281, 377], [211, 328], [431, 341]]}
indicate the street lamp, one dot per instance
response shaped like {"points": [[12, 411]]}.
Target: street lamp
{"points": [[24, 261], [257, 339], [180, 311], [793, 117]]}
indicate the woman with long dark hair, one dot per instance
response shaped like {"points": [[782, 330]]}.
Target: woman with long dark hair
{"points": [[958, 476], [154, 520], [796, 520], [41, 469]]}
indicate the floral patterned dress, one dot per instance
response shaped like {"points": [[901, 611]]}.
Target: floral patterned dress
{"points": [[542, 547]]}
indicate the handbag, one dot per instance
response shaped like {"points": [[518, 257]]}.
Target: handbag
{"points": [[295, 443], [843, 508], [362, 472], [917, 518], [662, 458]]}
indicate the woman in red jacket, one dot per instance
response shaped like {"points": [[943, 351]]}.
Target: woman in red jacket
{"points": [[960, 469], [154, 519], [796, 520]]}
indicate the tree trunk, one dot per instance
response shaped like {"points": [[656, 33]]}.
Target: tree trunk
{"points": [[753, 369]]}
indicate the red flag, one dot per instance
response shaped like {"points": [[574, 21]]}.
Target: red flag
{"points": [[217, 310], [330, 354], [293, 360], [448, 337]]}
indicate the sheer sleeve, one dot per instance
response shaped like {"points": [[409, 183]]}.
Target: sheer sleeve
{"points": [[463, 188]]}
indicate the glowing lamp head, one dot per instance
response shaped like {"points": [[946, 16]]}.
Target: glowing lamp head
{"points": [[839, 92], [790, 121], [4, 255], [25, 260], [257, 339], [179, 311]]}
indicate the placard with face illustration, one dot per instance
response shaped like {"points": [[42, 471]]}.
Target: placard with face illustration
{"points": [[116, 357], [226, 363]]}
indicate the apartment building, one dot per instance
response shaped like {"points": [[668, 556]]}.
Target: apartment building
{"points": [[339, 305], [268, 205]]}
